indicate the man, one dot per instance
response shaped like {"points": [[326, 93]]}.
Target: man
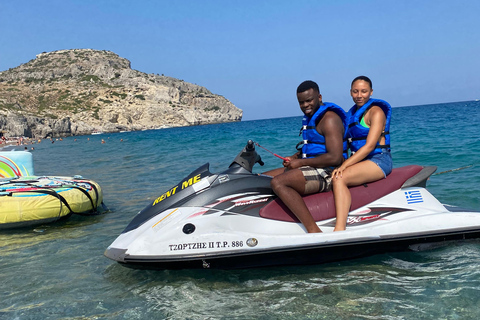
{"points": [[309, 170]]}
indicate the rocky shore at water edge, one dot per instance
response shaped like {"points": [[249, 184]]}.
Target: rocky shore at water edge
{"points": [[79, 91]]}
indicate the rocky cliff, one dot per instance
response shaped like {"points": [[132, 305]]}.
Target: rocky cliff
{"points": [[74, 92]]}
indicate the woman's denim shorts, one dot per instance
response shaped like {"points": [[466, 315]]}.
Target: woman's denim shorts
{"points": [[383, 160]]}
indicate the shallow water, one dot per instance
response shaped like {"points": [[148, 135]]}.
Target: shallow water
{"points": [[58, 271]]}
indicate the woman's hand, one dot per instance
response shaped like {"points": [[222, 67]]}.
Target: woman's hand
{"points": [[338, 172]]}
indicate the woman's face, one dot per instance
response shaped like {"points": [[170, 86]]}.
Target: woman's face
{"points": [[360, 92]]}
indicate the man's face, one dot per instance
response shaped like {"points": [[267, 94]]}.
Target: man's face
{"points": [[309, 101]]}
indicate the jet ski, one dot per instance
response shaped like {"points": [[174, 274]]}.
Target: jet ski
{"points": [[232, 219]]}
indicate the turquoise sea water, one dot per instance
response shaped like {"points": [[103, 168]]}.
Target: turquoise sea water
{"points": [[58, 271]]}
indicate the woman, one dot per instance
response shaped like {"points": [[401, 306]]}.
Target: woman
{"points": [[369, 138]]}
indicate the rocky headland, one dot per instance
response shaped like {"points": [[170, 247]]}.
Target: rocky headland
{"points": [[79, 91]]}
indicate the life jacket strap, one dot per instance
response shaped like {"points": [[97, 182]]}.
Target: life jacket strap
{"points": [[365, 138]]}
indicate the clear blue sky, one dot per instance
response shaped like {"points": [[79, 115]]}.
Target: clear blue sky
{"points": [[255, 53]]}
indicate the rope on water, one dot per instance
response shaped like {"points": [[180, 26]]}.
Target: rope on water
{"points": [[451, 170]]}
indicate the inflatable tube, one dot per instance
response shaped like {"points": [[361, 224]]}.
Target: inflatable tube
{"points": [[31, 200], [16, 164]]}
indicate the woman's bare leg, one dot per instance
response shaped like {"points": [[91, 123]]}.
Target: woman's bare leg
{"points": [[362, 172]]}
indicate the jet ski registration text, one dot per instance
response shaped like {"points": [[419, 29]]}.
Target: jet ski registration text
{"points": [[205, 245]]}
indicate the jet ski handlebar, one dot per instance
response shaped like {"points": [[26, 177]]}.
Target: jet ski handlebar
{"points": [[247, 158]]}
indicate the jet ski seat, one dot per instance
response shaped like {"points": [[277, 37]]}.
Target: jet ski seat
{"points": [[322, 205]]}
